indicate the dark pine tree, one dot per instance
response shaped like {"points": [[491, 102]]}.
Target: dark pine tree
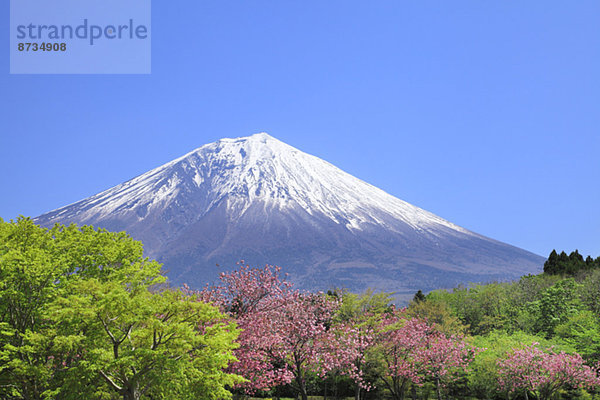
{"points": [[551, 264], [419, 297], [572, 264]]}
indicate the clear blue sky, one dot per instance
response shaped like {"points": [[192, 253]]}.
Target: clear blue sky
{"points": [[485, 113]]}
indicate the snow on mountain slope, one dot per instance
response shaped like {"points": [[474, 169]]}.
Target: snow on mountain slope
{"points": [[260, 168], [262, 200]]}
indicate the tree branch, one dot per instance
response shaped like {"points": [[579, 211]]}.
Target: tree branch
{"points": [[110, 381]]}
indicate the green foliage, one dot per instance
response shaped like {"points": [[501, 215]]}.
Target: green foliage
{"points": [[135, 341], [360, 306], [484, 307], [534, 304], [555, 305], [547, 308], [436, 310], [590, 291], [581, 330], [81, 316]]}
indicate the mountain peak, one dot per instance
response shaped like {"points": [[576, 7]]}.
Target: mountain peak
{"points": [[248, 150], [260, 137]]}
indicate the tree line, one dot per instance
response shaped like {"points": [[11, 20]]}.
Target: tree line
{"points": [[572, 264], [83, 314]]}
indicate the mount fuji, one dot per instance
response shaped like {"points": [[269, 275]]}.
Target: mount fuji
{"points": [[260, 200]]}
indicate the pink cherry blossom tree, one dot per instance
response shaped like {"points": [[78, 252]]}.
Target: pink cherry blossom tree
{"points": [[282, 328], [350, 343], [249, 296], [444, 358], [414, 352], [296, 331], [400, 342], [246, 290], [344, 350], [543, 372]]}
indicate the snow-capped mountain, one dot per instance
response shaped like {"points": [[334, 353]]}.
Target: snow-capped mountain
{"points": [[263, 201]]}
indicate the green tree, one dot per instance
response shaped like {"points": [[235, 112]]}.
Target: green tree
{"points": [[555, 306], [437, 312], [551, 264], [113, 337], [67, 294], [561, 264], [581, 330], [34, 264], [362, 307], [590, 291]]}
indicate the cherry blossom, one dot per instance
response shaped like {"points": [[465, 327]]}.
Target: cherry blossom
{"points": [[543, 372]]}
